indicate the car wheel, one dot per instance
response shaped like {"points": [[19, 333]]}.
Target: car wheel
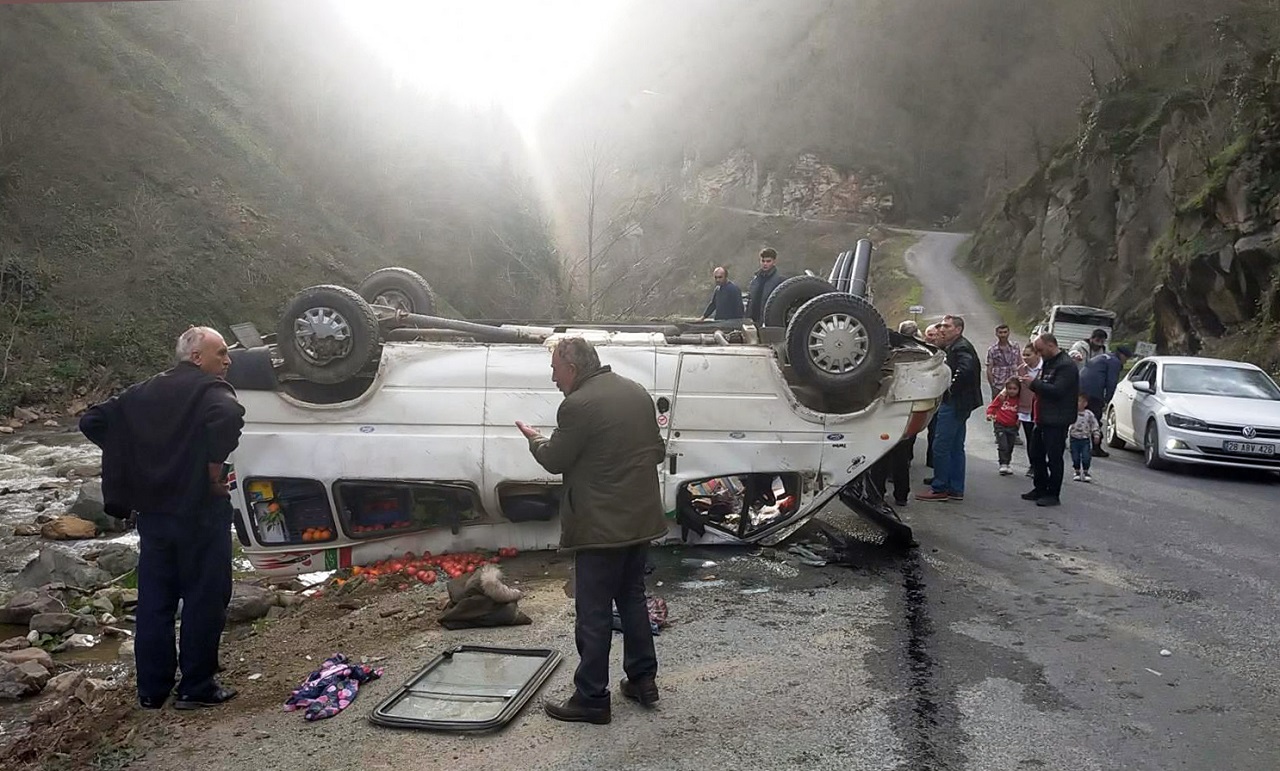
{"points": [[1151, 448], [783, 302], [328, 334], [399, 288], [837, 342], [1113, 437]]}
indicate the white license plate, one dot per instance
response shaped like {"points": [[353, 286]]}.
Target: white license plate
{"points": [[1249, 448]]}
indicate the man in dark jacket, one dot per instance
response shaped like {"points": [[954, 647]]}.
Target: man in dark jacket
{"points": [[164, 444], [1057, 390], [762, 285], [961, 399], [608, 447], [726, 298], [1098, 382]]}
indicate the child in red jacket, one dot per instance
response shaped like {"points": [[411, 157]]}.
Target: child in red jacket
{"points": [[1003, 412]]}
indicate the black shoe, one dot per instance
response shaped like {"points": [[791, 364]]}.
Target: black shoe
{"points": [[900, 502], [1101, 453], [572, 711], [1048, 501], [218, 695], [149, 702], [644, 690], [927, 480], [1032, 496]]}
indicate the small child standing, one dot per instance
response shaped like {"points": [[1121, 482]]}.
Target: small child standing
{"points": [[1084, 432], [1003, 413]]}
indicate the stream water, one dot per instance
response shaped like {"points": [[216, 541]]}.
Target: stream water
{"points": [[41, 474]]}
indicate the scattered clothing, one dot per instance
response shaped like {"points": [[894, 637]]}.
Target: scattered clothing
{"points": [[331, 688]]}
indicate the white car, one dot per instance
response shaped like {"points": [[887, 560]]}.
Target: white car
{"points": [[1181, 409]]}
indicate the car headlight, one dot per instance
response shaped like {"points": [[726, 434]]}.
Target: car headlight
{"points": [[1182, 421]]}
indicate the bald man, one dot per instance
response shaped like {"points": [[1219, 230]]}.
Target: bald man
{"points": [[164, 444], [726, 298]]}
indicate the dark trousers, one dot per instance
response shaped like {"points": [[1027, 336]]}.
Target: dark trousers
{"points": [[895, 467], [1027, 428], [601, 578], [1048, 443], [928, 448], [1005, 437], [1096, 405], [187, 557]]}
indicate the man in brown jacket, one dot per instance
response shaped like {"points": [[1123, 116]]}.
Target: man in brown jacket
{"points": [[607, 446]]}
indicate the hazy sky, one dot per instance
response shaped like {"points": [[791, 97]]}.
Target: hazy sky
{"points": [[517, 53]]}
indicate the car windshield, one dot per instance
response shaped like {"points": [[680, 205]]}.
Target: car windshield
{"points": [[1219, 381]]}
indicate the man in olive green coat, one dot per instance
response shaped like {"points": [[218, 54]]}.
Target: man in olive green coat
{"points": [[608, 447]]}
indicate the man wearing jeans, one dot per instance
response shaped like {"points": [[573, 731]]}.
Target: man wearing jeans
{"points": [[1055, 410], [608, 447], [961, 399]]}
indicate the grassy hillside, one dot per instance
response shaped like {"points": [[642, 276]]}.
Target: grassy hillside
{"points": [[166, 164]]}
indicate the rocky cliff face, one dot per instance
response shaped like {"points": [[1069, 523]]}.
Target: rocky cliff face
{"points": [[1165, 210], [807, 188]]}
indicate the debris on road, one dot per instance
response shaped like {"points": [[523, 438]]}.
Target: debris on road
{"points": [[1166, 652]]}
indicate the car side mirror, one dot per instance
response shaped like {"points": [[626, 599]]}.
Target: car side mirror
{"points": [[1143, 386]]}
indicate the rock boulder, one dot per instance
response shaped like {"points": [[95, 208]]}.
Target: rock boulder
{"points": [[28, 603], [14, 644], [29, 654], [89, 506], [27, 529], [59, 566], [69, 529], [65, 684], [118, 558], [249, 602], [19, 680], [53, 623]]}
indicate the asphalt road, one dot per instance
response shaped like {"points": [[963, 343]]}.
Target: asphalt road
{"points": [[1013, 638], [1052, 622]]}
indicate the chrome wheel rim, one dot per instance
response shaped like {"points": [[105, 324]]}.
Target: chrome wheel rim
{"points": [[838, 344], [1111, 425], [322, 335], [1150, 443]]}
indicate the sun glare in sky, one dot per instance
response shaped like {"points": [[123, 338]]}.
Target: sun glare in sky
{"points": [[517, 54]]}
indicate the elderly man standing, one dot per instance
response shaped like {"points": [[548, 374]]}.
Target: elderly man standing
{"points": [[726, 298], [164, 442], [964, 396], [1056, 390], [608, 447]]}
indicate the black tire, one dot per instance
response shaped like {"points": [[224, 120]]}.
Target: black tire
{"points": [[837, 342], [1151, 448], [787, 297], [399, 288], [348, 334], [252, 369], [1109, 431]]}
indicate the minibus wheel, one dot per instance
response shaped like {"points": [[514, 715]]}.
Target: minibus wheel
{"points": [[328, 334], [787, 297], [399, 288], [837, 341]]}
